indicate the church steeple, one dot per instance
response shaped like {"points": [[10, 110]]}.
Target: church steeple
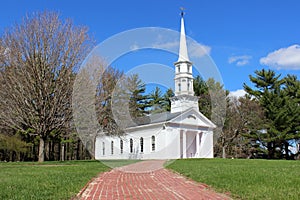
{"points": [[183, 53], [183, 67], [184, 92]]}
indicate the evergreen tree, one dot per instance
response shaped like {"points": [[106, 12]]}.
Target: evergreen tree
{"points": [[201, 91], [280, 100], [166, 102], [138, 100], [156, 100], [291, 93]]}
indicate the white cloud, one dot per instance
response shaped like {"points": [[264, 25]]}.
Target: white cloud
{"points": [[284, 58], [242, 62], [239, 60], [238, 93]]}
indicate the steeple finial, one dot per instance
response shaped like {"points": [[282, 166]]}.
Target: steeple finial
{"points": [[183, 54], [182, 9]]}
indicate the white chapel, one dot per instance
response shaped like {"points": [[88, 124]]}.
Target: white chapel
{"points": [[182, 133]]}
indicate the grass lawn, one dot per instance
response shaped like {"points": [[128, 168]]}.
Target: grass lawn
{"points": [[48, 180], [245, 179]]}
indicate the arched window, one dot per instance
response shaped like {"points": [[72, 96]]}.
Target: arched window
{"points": [[179, 86], [103, 148], [121, 146], [142, 144], [131, 145], [153, 143], [112, 147], [188, 86], [178, 68]]}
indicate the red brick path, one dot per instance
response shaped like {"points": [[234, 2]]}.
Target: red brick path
{"points": [[146, 180]]}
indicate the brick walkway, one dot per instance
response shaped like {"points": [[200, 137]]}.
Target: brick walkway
{"points": [[145, 180]]}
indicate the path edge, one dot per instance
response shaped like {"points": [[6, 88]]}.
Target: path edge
{"points": [[208, 187], [78, 195]]}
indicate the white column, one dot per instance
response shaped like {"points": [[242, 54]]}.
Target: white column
{"points": [[184, 144], [197, 145]]}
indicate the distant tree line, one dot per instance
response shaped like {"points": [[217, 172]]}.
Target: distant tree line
{"points": [[40, 58]]}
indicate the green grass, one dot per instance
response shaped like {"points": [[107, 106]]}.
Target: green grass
{"points": [[49, 180], [245, 179]]}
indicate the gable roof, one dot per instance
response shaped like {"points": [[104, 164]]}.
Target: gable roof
{"points": [[153, 119], [166, 117], [199, 115]]}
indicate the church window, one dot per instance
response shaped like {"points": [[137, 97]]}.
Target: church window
{"points": [[112, 147], [188, 86], [179, 87], [153, 143], [121, 146], [131, 145], [103, 148], [142, 144], [178, 69]]}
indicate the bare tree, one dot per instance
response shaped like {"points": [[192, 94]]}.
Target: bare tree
{"points": [[38, 61], [108, 95], [242, 116]]}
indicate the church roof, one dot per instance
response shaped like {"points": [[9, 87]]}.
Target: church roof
{"points": [[153, 119]]}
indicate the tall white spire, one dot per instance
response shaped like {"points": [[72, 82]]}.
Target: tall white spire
{"points": [[183, 53], [183, 67], [184, 92]]}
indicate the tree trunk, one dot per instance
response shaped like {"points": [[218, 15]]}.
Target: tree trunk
{"points": [[52, 153], [62, 158], [286, 149], [41, 150], [11, 156], [223, 151], [270, 150], [78, 150], [47, 150]]}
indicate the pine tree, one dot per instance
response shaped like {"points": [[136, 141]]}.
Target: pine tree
{"points": [[280, 100], [201, 91], [155, 101], [166, 103], [138, 100]]}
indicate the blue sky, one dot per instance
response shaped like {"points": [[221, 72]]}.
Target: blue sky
{"points": [[241, 36]]}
